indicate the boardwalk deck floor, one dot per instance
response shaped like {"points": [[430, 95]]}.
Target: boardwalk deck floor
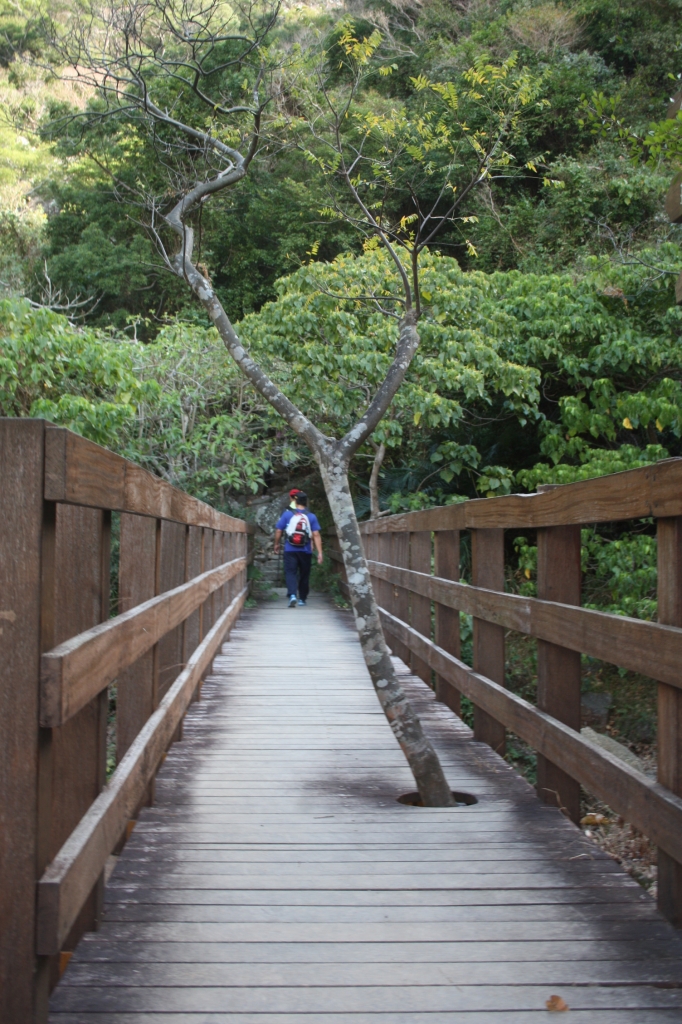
{"points": [[278, 881]]}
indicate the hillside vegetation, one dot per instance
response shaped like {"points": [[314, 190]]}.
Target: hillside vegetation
{"points": [[550, 337]]}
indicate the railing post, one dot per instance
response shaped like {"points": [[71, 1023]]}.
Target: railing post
{"points": [[670, 707], [22, 555], [487, 570], [209, 563], [136, 583], [193, 568], [400, 598], [420, 561], [72, 762], [446, 565], [559, 579], [171, 574]]}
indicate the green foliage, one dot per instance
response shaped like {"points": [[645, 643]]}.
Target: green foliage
{"points": [[550, 346], [203, 428], [73, 377], [619, 570], [177, 406], [588, 370]]}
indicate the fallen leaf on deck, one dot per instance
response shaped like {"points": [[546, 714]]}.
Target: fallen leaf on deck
{"points": [[594, 819], [555, 1004]]}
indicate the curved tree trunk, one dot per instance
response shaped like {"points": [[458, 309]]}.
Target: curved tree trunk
{"points": [[407, 728], [380, 452], [333, 458]]}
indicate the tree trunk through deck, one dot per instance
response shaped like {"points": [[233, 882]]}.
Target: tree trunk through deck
{"points": [[332, 458], [407, 729]]}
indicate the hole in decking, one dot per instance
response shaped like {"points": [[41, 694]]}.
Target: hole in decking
{"points": [[461, 799]]}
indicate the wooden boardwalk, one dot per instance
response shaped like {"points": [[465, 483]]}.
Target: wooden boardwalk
{"points": [[277, 880]]}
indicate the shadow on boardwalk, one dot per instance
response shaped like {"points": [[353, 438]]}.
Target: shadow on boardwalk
{"points": [[278, 881]]}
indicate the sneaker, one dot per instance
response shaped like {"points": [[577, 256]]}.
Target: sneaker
{"points": [[292, 601], [301, 604]]}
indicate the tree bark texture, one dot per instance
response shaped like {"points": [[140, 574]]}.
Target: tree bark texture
{"points": [[375, 511], [407, 729], [333, 457]]}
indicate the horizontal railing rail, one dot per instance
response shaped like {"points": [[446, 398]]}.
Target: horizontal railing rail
{"points": [[633, 494], [180, 572], [414, 562], [77, 670], [79, 472], [634, 644], [68, 880], [649, 806]]}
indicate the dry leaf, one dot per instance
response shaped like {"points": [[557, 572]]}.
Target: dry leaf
{"points": [[594, 819], [555, 1004]]}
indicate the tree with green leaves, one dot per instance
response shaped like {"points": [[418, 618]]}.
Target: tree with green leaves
{"points": [[373, 163]]}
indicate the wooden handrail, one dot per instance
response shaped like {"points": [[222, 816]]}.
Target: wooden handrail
{"points": [[80, 472], [634, 644], [634, 494], [180, 564], [80, 668], [65, 885], [649, 806]]}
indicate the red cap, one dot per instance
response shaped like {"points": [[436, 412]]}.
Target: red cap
{"points": [[293, 492]]}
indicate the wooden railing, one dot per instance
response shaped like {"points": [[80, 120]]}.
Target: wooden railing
{"points": [[181, 585], [414, 561]]}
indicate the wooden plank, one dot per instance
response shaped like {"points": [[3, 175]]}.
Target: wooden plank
{"points": [[21, 528], [171, 575], [277, 843], [559, 677], [136, 584], [191, 635], [73, 755], [79, 472], [77, 670], [420, 607], [447, 636], [219, 558], [648, 805], [209, 563], [400, 548], [487, 570], [650, 648], [230, 546], [669, 533], [634, 494], [68, 879]]}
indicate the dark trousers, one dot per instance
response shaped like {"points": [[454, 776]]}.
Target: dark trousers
{"points": [[297, 572]]}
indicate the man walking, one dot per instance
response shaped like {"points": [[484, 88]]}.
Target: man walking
{"points": [[301, 530]]}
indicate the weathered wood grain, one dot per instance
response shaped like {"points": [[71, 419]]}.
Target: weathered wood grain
{"points": [[21, 519], [559, 676], [68, 879], [171, 574], [77, 670], [446, 566], [487, 571], [79, 472], [650, 648], [646, 804], [191, 634], [420, 605], [75, 596], [669, 736], [136, 584], [277, 863], [633, 494], [400, 598]]}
